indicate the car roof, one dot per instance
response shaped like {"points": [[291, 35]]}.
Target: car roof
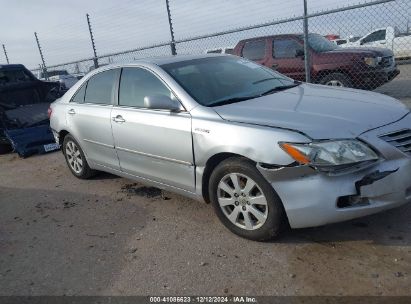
{"points": [[12, 67], [165, 59], [273, 36]]}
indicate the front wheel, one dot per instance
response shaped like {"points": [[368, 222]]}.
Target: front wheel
{"points": [[244, 201], [75, 158], [336, 80]]}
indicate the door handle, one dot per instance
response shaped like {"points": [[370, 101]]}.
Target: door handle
{"points": [[71, 112], [275, 65], [119, 119]]}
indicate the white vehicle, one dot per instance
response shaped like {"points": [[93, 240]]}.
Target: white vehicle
{"points": [[222, 50], [66, 80], [389, 38], [339, 41]]}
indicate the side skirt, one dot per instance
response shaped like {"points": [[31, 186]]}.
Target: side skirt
{"points": [[149, 182]]}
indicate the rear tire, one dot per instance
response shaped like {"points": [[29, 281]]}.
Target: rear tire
{"points": [[244, 201], [336, 80], [76, 161]]}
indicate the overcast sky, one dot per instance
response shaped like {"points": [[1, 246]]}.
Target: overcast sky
{"points": [[128, 24]]}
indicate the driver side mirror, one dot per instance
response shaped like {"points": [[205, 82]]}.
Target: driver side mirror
{"points": [[161, 102]]}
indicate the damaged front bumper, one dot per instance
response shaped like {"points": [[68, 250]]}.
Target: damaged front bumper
{"points": [[312, 198]]}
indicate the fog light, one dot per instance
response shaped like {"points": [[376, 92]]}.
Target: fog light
{"points": [[352, 201]]}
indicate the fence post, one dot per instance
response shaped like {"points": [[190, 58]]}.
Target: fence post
{"points": [[95, 59], [172, 43], [307, 64], [42, 57], [5, 54]]}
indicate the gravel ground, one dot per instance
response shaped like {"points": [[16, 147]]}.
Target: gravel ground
{"points": [[110, 236], [400, 87]]}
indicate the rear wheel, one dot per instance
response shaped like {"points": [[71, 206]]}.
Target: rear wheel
{"points": [[244, 201], [336, 80], [75, 158]]}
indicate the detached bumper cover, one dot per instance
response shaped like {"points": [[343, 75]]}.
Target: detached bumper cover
{"points": [[32, 140]]}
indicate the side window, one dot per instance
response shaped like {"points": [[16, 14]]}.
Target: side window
{"points": [[286, 48], [376, 36], [100, 87], [254, 50], [79, 96], [137, 83]]}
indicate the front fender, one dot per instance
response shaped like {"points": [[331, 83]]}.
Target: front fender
{"points": [[258, 143]]}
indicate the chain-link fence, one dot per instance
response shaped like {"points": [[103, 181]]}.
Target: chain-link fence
{"points": [[366, 45]]}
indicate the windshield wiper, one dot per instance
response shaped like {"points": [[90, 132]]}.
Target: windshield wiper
{"points": [[281, 88], [266, 79], [232, 100], [242, 98]]}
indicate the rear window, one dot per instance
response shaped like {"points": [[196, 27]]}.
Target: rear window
{"points": [[100, 87], [254, 50]]}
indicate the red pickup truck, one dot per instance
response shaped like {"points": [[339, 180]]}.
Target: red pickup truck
{"points": [[364, 68]]}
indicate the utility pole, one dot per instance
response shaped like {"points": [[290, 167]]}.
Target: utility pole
{"points": [[307, 64], [41, 56], [172, 43], [5, 54], [95, 59]]}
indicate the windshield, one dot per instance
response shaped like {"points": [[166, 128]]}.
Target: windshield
{"points": [[321, 44], [212, 80]]}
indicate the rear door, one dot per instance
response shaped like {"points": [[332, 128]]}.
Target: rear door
{"points": [[287, 57], [153, 144], [89, 118]]}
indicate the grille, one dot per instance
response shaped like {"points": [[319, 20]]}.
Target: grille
{"points": [[399, 139]]}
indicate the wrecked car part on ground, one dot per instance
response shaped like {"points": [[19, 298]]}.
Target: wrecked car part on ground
{"points": [[20, 93]]}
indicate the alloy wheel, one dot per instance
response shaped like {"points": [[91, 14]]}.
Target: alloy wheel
{"points": [[242, 201], [335, 83], [74, 158]]}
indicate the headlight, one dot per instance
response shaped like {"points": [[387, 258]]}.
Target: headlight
{"points": [[330, 153], [372, 61]]}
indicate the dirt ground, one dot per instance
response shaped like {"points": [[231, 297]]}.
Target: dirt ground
{"points": [[109, 236]]}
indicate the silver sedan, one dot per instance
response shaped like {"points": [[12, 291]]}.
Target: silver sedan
{"points": [[263, 149]]}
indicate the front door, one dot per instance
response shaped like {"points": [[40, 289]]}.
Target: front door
{"points": [[288, 58], [152, 144]]}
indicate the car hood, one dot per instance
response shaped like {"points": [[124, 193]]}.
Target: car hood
{"points": [[381, 52], [318, 111]]}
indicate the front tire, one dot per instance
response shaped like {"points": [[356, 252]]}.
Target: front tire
{"points": [[336, 80], [76, 161], [244, 201]]}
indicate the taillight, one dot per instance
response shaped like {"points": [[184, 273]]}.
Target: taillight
{"points": [[49, 111]]}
